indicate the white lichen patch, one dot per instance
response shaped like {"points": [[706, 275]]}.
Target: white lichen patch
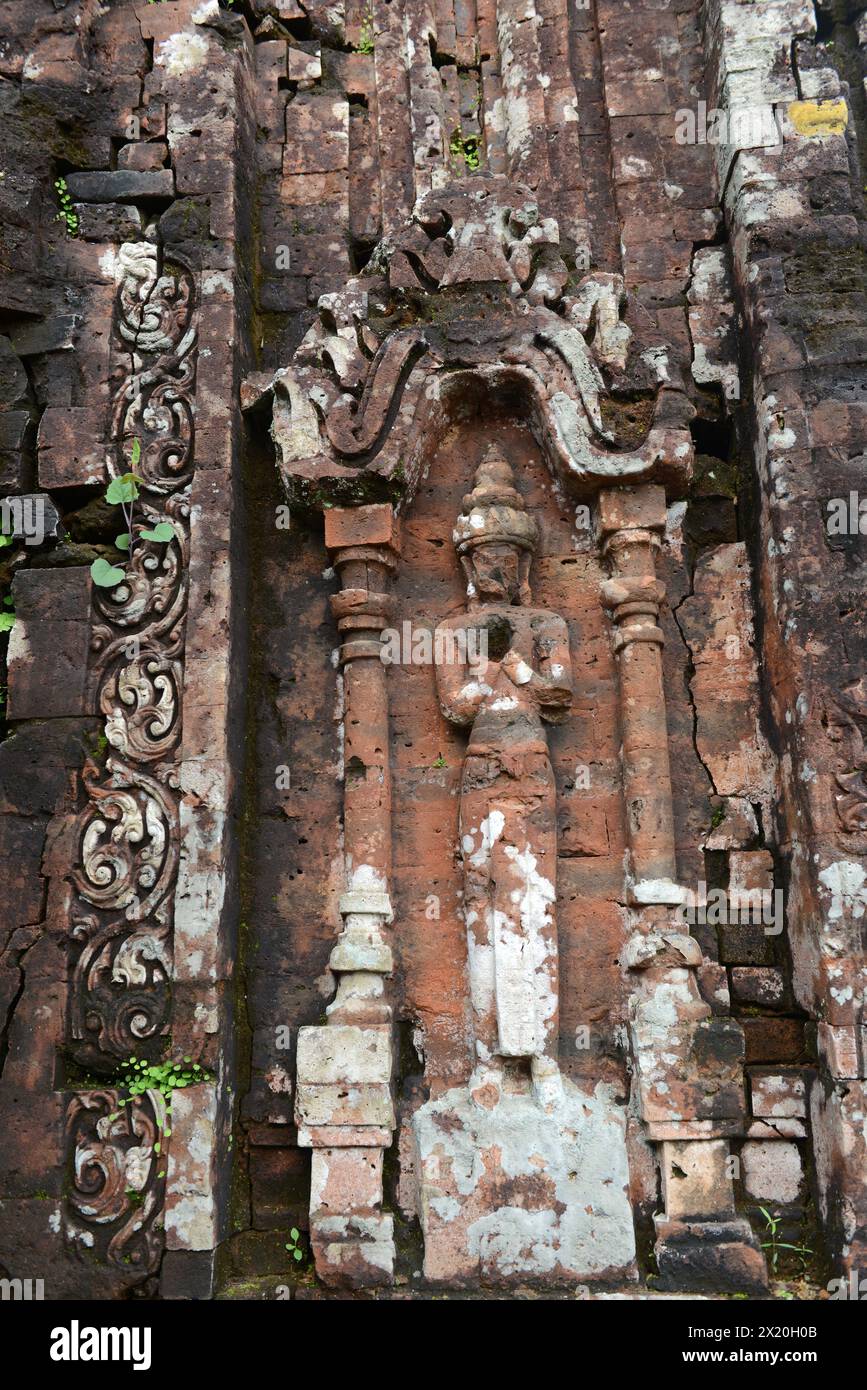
{"points": [[491, 830], [516, 1192], [846, 881], [182, 53]]}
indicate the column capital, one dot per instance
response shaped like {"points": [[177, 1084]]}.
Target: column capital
{"points": [[350, 528], [635, 507]]}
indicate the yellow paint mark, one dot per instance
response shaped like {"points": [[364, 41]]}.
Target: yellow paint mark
{"points": [[813, 118]]}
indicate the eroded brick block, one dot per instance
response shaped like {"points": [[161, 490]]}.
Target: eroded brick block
{"points": [[49, 643]]}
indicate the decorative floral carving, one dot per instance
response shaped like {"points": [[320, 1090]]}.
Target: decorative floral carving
{"points": [[128, 841], [121, 922], [154, 403], [124, 997], [141, 702], [128, 830], [117, 1186]]}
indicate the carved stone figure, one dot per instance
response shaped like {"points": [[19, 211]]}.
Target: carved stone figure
{"points": [[521, 1174], [508, 827]]}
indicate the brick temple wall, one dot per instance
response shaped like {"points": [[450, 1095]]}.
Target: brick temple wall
{"points": [[256, 154]]}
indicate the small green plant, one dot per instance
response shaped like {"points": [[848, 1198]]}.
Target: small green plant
{"points": [[67, 213], [7, 619], [293, 1246], [719, 815], [138, 1076], [465, 149], [774, 1244], [365, 37], [123, 491], [439, 761]]}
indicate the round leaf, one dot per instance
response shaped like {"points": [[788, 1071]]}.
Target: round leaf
{"points": [[122, 541], [163, 531], [105, 575], [122, 489]]}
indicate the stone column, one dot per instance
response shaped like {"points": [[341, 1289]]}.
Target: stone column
{"points": [[343, 1104], [688, 1065], [631, 520], [689, 1085]]}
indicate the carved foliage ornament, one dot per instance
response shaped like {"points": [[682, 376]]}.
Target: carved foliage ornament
{"points": [[476, 292], [116, 1186], [127, 832], [128, 829]]}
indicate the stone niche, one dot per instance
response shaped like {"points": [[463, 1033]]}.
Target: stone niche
{"points": [[509, 1189]]}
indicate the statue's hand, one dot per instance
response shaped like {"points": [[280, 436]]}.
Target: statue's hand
{"points": [[516, 668]]}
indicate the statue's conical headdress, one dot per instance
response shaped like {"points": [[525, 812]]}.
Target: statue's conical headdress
{"points": [[494, 512]]}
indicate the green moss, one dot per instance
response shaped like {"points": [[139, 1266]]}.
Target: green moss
{"points": [[629, 418], [714, 477], [465, 150]]}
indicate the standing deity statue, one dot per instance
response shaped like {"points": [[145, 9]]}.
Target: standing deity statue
{"points": [[508, 825]]}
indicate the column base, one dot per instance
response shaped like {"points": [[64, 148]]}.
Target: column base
{"points": [[354, 1251], [709, 1257], [514, 1189]]}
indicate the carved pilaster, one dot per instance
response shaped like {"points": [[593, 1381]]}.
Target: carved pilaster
{"points": [[631, 521], [688, 1070], [688, 1064], [343, 1106]]}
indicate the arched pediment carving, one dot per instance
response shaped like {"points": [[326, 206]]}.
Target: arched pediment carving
{"points": [[474, 293]]}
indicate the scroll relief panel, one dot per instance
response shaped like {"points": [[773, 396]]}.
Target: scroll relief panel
{"points": [[128, 829]]}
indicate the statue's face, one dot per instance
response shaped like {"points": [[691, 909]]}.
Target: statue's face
{"points": [[496, 573]]}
